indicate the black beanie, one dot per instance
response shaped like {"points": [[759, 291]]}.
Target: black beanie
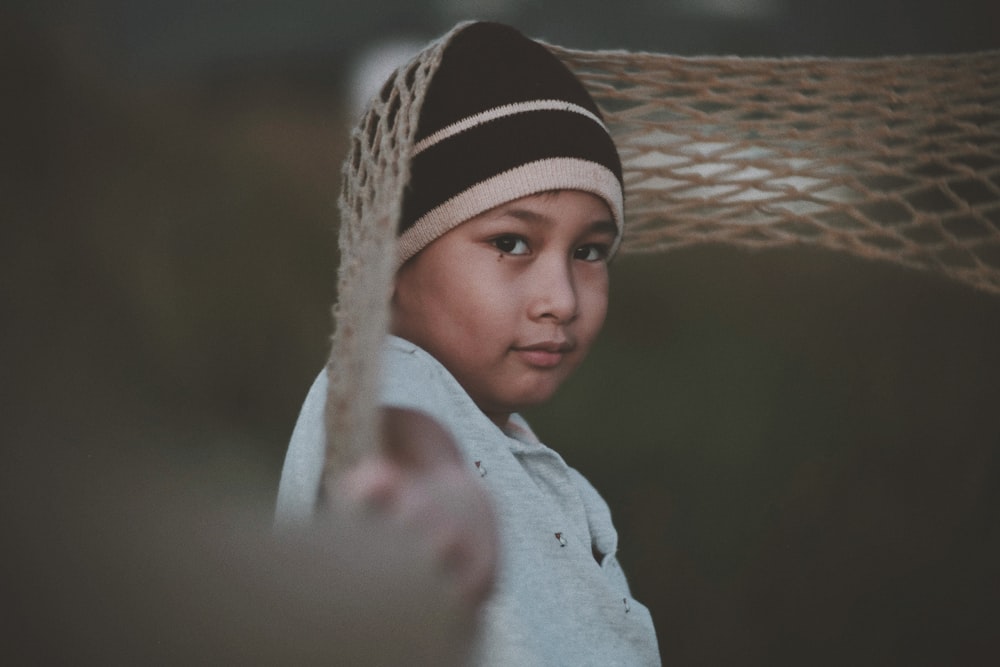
{"points": [[503, 118]]}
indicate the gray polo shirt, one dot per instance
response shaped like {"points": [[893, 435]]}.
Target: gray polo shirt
{"points": [[561, 596]]}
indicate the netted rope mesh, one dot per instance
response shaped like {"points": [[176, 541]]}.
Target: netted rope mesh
{"points": [[895, 159], [374, 177]]}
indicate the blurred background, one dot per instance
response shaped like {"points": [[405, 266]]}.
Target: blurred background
{"points": [[800, 448]]}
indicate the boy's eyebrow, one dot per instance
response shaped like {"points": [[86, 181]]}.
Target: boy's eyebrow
{"points": [[603, 226]]}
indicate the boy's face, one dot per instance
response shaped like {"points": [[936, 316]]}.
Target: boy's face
{"points": [[511, 300]]}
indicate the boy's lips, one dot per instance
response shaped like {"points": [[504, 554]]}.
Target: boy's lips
{"points": [[546, 354]]}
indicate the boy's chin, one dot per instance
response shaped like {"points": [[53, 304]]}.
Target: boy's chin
{"points": [[519, 393], [532, 399]]}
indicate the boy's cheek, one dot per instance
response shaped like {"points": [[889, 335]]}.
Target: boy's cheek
{"points": [[594, 294]]}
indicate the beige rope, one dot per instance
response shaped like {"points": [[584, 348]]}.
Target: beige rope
{"points": [[892, 159]]}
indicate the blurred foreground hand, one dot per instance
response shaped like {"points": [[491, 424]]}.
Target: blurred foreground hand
{"points": [[419, 483]]}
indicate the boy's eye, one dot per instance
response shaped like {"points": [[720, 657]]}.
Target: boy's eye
{"points": [[511, 245], [592, 252]]}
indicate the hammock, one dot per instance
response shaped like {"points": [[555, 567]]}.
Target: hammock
{"points": [[892, 159]]}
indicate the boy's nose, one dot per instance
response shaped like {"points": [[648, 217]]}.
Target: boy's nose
{"points": [[553, 293]]}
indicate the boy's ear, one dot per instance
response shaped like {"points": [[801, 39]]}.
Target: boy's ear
{"points": [[391, 296], [394, 285]]}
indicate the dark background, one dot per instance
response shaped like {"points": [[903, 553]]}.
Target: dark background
{"points": [[800, 448]]}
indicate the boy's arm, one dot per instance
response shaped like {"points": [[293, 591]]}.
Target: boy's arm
{"points": [[125, 561]]}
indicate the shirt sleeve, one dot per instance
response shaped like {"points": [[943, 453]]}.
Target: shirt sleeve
{"points": [[303, 467]]}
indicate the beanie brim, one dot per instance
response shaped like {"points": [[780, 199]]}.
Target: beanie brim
{"points": [[528, 179]]}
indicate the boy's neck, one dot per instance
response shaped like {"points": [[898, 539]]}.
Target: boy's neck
{"points": [[501, 419]]}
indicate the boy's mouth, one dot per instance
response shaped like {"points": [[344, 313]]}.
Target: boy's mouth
{"points": [[546, 354]]}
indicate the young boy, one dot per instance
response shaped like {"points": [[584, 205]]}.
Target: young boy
{"points": [[512, 212]]}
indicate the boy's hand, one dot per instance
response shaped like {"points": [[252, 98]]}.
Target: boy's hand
{"points": [[418, 480]]}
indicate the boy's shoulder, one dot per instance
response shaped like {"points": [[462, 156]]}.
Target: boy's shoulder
{"points": [[396, 345], [408, 363]]}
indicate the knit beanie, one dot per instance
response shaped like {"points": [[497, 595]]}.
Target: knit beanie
{"points": [[502, 119]]}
